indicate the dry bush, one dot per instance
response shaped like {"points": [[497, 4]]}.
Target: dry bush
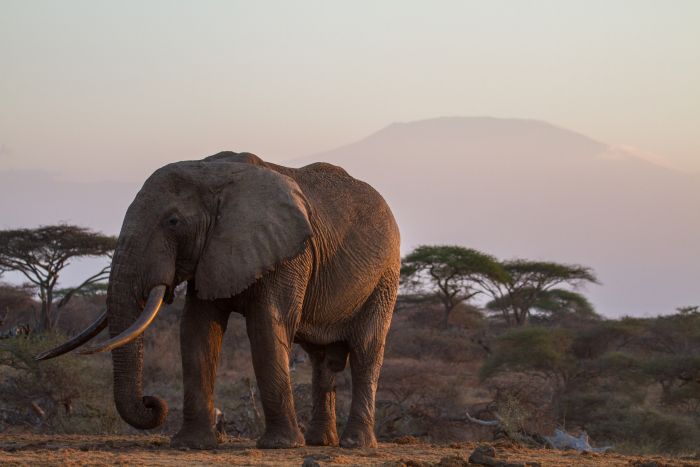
{"points": [[65, 395], [424, 315], [423, 399], [525, 401], [467, 316], [80, 312], [622, 414], [17, 306], [450, 345]]}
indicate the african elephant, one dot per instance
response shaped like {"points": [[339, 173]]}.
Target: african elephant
{"points": [[307, 255]]}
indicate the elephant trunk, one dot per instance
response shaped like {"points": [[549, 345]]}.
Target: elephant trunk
{"points": [[139, 411]]}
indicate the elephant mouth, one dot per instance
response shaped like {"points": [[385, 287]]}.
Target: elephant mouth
{"points": [[148, 314], [169, 296]]}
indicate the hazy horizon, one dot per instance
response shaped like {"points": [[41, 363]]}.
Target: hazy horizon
{"points": [[115, 90], [510, 187], [94, 96]]}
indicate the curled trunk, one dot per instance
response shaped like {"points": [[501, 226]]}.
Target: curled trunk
{"points": [[139, 411]]}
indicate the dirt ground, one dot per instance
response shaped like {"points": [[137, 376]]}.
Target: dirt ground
{"points": [[72, 450]]}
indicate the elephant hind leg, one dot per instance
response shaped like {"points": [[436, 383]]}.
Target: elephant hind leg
{"points": [[322, 429], [337, 356], [366, 356]]}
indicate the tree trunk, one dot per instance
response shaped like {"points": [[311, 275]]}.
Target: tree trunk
{"points": [[520, 316], [446, 314], [44, 323]]}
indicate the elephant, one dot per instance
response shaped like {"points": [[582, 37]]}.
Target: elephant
{"points": [[307, 255]]}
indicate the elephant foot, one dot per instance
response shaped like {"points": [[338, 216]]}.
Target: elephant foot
{"points": [[320, 435], [188, 439], [281, 439], [358, 437]]}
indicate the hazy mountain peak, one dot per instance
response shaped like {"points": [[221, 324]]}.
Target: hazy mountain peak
{"points": [[466, 127], [458, 136], [526, 188], [511, 187]]}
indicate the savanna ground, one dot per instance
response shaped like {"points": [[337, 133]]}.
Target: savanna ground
{"points": [[32, 449], [630, 383]]}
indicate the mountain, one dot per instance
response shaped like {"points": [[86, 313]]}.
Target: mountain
{"points": [[513, 188], [525, 188]]}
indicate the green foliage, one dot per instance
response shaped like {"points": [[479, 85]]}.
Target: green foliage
{"points": [[632, 382], [87, 289], [597, 338], [532, 286], [621, 365], [542, 273], [14, 298], [50, 245], [422, 343], [688, 310], [534, 348], [614, 410], [448, 260], [562, 302], [40, 254], [451, 273], [648, 431], [66, 395]]}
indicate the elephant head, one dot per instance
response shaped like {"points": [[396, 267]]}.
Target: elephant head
{"points": [[220, 224]]}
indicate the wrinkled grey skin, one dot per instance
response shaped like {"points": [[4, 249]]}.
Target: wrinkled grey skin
{"points": [[307, 255]]}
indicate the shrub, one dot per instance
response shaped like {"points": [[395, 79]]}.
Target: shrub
{"points": [[61, 395], [537, 349], [642, 431], [422, 343]]}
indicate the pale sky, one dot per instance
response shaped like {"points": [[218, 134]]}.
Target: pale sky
{"points": [[113, 90]]}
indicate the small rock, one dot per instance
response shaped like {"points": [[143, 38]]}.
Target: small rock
{"points": [[408, 439], [415, 463], [452, 461], [310, 462], [486, 450], [412, 463], [484, 455], [533, 464]]}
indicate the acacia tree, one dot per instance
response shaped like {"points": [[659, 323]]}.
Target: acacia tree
{"points": [[41, 254], [449, 272], [536, 286]]}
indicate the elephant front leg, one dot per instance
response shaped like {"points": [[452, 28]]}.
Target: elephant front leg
{"points": [[270, 345], [201, 332]]}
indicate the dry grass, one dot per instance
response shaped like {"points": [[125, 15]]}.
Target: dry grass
{"points": [[155, 450]]}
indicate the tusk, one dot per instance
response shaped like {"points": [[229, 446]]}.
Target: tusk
{"points": [[87, 334], [150, 310]]}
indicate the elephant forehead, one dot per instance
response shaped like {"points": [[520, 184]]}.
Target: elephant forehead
{"points": [[197, 172]]}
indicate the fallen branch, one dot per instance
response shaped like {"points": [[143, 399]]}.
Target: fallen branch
{"points": [[495, 423], [560, 440]]}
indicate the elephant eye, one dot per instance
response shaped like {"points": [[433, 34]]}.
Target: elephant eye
{"points": [[172, 221]]}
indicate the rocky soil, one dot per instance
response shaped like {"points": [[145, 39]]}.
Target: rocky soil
{"points": [[69, 450]]}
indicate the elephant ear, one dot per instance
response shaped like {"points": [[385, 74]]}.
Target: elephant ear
{"points": [[262, 219]]}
